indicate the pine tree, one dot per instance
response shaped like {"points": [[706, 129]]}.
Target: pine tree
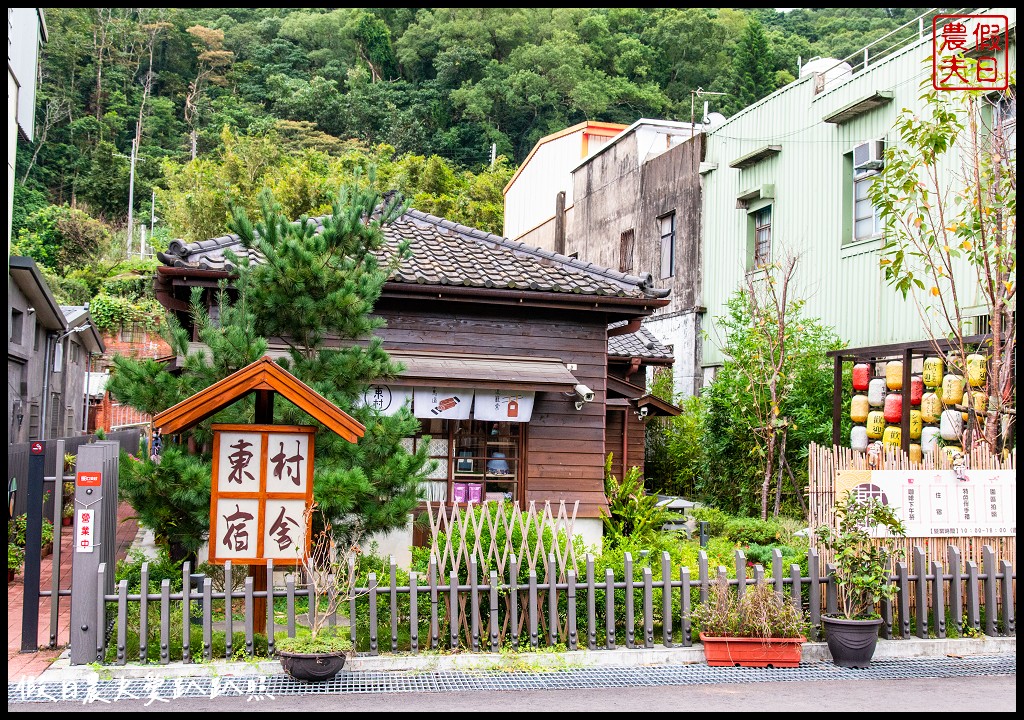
{"points": [[317, 288], [316, 292], [752, 75]]}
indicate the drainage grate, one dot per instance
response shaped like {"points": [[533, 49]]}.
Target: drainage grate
{"points": [[456, 681]]}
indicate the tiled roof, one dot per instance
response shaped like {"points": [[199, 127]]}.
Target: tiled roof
{"points": [[638, 344], [446, 253]]}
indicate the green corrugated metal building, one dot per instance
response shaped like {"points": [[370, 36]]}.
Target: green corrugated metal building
{"points": [[781, 171]]}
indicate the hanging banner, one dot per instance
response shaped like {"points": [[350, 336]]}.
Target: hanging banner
{"points": [[937, 503], [503, 405], [387, 399], [442, 403]]}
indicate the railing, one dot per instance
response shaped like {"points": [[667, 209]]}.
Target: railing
{"points": [[485, 614]]}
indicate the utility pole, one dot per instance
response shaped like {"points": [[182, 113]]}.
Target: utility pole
{"points": [[131, 191]]}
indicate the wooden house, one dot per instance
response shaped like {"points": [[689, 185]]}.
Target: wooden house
{"points": [[521, 363]]}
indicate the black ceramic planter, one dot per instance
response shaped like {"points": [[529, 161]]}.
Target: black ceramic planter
{"points": [[312, 667], [851, 642]]}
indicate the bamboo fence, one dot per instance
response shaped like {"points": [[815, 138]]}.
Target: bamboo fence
{"points": [[826, 463]]}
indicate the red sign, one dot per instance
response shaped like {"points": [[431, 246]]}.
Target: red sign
{"points": [[985, 38], [37, 448], [89, 479]]}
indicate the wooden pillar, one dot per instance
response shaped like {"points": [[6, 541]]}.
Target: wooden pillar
{"points": [[908, 358], [837, 400], [264, 416]]}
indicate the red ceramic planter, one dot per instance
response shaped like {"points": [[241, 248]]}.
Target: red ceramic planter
{"points": [[752, 652]]}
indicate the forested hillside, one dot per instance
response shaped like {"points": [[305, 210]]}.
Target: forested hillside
{"points": [[221, 103]]}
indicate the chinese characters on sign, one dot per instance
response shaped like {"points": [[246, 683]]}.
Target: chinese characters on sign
{"points": [[503, 405], [442, 403], [969, 52], [935, 503], [85, 530], [263, 482], [387, 399]]}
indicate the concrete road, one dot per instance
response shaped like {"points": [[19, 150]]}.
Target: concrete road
{"points": [[992, 693]]}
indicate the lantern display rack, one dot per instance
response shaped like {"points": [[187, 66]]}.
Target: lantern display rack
{"points": [[912, 396]]}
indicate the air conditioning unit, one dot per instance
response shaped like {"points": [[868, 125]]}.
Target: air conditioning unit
{"points": [[869, 155]]}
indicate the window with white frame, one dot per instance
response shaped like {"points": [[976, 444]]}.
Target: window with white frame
{"points": [[866, 218]]}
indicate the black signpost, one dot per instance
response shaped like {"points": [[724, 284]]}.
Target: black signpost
{"points": [[33, 548]]}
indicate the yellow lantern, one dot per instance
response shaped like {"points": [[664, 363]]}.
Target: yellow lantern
{"points": [[894, 375], [931, 408], [932, 372], [977, 370], [859, 408], [915, 453], [915, 424], [952, 389], [891, 436], [952, 451], [876, 424]]}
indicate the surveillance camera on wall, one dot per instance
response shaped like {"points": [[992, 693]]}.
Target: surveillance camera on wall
{"points": [[584, 393]]}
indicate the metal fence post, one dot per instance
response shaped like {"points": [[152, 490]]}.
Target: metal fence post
{"points": [[33, 548], [91, 516]]}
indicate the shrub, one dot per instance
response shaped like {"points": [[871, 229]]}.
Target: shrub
{"points": [[715, 518], [752, 530], [760, 613], [631, 512]]}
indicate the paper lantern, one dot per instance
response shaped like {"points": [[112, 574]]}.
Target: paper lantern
{"points": [[876, 424], [876, 392], [932, 372], [859, 408], [931, 408], [891, 436], [861, 376], [951, 427], [977, 370], [894, 375], [952, 390], [915, 453], [859, 438], [952, 451], [893, 407], [929, 439], [915, 424], [916, 390]]}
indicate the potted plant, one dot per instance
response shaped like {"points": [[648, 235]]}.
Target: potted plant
{"points": [[68, 511], [330, 578], [761, 629], [15, 557], [863, 544], [46, 538]]}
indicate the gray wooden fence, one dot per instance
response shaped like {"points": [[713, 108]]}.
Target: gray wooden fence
{"points": [[487, 613], [17, 463]]}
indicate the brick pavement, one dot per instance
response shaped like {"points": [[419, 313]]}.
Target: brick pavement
{"points": [[20, 664]]}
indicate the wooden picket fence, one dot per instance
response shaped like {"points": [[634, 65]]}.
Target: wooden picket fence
{"points": [[826, 462], [430, 611]]}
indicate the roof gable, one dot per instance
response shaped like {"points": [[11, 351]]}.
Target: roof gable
{"points": [[264, 374]]}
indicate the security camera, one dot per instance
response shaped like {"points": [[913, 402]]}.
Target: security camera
{"points": [[584, 393], [642, 413]]}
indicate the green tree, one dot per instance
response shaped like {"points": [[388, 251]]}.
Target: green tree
{"points": [[948, 197], [752, 73], [329, 278], [770, 398]]}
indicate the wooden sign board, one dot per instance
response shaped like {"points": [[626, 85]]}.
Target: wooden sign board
{"points": [[262, 485]]}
